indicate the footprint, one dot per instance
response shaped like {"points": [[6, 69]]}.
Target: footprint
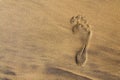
{"points": [[8, 72], [79, 24], [4, 79]]}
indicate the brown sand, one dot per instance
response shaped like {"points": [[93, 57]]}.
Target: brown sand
{"points": [[36, 42]]}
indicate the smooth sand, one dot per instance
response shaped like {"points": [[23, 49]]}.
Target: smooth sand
{"points": [[36, 42]]}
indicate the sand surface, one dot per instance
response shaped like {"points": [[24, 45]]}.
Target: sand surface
{"points": [[36, 42]]}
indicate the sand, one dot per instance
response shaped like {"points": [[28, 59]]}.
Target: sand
{"points": [[37, 43]]}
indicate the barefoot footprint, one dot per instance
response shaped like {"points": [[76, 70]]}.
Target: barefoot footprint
{"points": [[79, 22]]}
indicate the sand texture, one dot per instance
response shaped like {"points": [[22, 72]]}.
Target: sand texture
{"points": [[38, 42]]}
